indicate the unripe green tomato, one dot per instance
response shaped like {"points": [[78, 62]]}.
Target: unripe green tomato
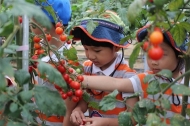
{"points": [[78, 70]]}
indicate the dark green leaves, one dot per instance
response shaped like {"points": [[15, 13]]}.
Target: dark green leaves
{"points": [[153, 120], [133, 57], [22, 77], [153, 87], [179, 120], [109, 101], [165, 73], [175, 4], [48, 101], [180, 89], [6, 29], [124, 119], [71, 54]]}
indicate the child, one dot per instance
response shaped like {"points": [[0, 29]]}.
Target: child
{"points": [[170, 60], [101, 49], [63, 13]]}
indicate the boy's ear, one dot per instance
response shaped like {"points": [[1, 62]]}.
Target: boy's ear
{"points": [[117, 48]]}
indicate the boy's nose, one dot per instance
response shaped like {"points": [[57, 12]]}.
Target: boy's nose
{"points": [[154, 62], [91, 56]]}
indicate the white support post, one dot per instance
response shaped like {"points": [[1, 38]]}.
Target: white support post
{"points": [[25, 45]]}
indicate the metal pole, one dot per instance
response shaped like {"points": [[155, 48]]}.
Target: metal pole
{"points": [[25, 45]]}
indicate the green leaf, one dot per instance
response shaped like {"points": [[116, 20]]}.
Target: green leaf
{"points": [[7, 29], [6, 67], [124, 119], [86, 96], [52, 74], [109, 101], [13, 107], [94, 105], [175, 4], [148, 104], [188, 111], [71, 54], [185, 25], [179, 120], [166, 73], [26, 95], [153, 120], [123, 40], [180, 89], [165, 103], [10, 123], [2, 122], [163, 85], [27, 115], [48, 101], [133, 57], [179, 34], [3, 84], [91, 25], [153, 87], [139, 114], [21, 7], [148, 78], [22, 77]]}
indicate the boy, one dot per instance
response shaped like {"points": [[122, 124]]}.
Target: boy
{"points": [[62, 9], [101, 48]]}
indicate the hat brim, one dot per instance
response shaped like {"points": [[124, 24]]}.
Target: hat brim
{"points": [[100, 34]]}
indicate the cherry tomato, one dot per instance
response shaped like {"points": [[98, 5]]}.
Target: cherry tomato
{"points": [[58, 24], [62, 62], [48, 37], [75, 85], [70, 70], [36, 39], [30, 69], [64, 96], [145, 46], [75, 98], [69, 42], [156, 37], [66, 77], [20, 19], [63, 37], [80, 78], [35, 57], [40, 51], [78, 93], [59, 30], [61, 69], [37, 46], [155, 52], [69, 93]]}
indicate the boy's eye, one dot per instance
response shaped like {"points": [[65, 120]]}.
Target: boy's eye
{"points": [[97, 50]]}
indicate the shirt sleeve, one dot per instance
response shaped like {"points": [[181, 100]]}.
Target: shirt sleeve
{"points": [[136, 86]]}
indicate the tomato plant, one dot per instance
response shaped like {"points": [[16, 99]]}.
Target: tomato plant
{"points": [[155, 53], [59, 30], [156, 37]]}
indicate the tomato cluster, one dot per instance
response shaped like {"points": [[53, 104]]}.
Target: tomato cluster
{"points": [[73, 81], [72, 77], [155, 52]]}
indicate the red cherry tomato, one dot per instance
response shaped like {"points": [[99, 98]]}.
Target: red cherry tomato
{"points": [[61, 69], [75, 98], [78, 93], [80, 78], [48, 37], [36, 39], [69, 93], [64, 96], [59, 30], [155, 52], [75, 85], [145, 46]]}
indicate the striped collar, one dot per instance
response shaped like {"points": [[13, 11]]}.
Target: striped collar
{"points": [[109, 70]]}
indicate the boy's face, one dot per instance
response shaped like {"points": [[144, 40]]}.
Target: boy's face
{"points": [[102, 57], [168, 61]]}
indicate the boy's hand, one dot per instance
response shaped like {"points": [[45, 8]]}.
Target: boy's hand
{"points": [[96, 121], [77, 117]]}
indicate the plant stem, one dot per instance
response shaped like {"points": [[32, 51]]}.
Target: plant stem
{"points": [[176, 80], [186, 83]]}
